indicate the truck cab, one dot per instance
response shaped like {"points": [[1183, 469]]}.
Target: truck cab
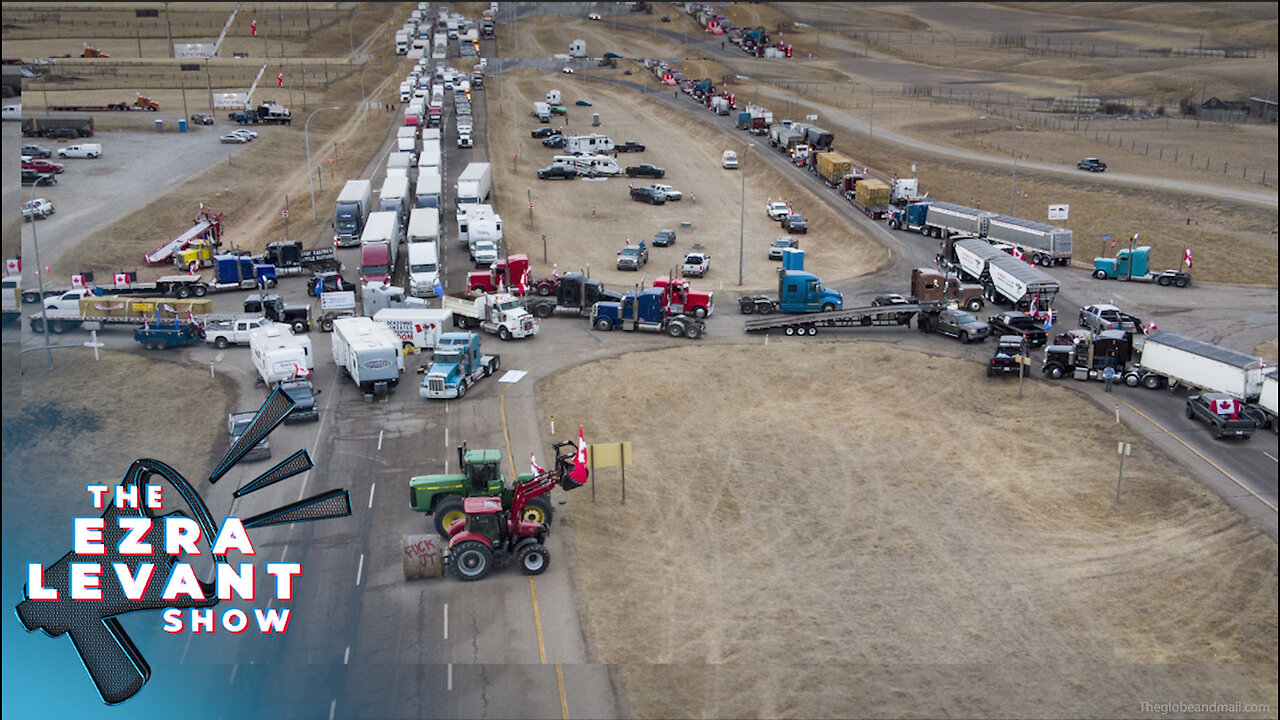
{"points": [[237, 424], [574, 292], [458, 364], [297, 317], [680, 298], [930, 286], [1089, 355]]}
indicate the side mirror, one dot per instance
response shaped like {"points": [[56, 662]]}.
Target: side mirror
{"points": [[316, 391]]}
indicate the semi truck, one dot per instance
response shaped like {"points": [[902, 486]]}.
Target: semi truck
{"points": [[473, 185], [115, 310], [1264, 411], [871, 196], [832, 167], [458, 364], [1044, 245], [499, 314], [1134, 263], [280, 356], [140, 102], [646, 311], [1179, 361], [289, 258], [417, 328], [427, 190], [42, 127], [574, 293], [820, 139], [910, 217], [799, 291], [1089, 356], [272, 307], [378, 246], [679, 297], [394, 197], [367, 352], [351, 212]]}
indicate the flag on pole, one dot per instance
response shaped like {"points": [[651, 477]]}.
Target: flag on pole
{"points": [[1016, 252], [533, 465], [280, 80], [1048, 319], [579, 472], [1186, 256], [253, 28], [524, 281], [1148, 329], [1035, 305], [555, 271]]}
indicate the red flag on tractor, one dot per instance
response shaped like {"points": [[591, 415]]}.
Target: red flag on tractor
{"points": [[579, 472]]}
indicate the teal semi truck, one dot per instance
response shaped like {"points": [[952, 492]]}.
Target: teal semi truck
{"points": [[799, 291], [1134, 263]]}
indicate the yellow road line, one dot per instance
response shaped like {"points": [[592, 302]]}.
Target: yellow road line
{"points": [[537, 621], [1215, 465]]}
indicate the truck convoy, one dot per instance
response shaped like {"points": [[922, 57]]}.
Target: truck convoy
{"points": [[367, 352], [1039, 243], [351, 212], [645, 310], [458, 364], [1176, 360], [499, 314], [1134, 263]]}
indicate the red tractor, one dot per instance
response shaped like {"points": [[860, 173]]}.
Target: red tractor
{"points": [[489, 534]]}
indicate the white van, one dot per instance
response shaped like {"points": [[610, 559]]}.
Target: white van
{"points": [[424, 266], [88, 150]]}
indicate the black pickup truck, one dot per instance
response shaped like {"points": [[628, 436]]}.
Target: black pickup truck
{"points": [[1222, 413]]}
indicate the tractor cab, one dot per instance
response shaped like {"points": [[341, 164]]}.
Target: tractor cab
{"points": [[484, 517], [481, 468]]}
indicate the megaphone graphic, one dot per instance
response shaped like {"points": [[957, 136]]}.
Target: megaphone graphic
{"points": [[115, 664]]}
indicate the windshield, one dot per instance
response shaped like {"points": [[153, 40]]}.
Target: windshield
{"points": [[449, 356], [485, 247], [298, 394], [508, 305], [963, 318], [375, 270], [422, 268]]}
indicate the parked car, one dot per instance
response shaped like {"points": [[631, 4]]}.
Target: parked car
{"points": [[795, 224], [85, 150], [632, 257], [43, 166], [553, 141], [202, 119], [1092, 165], [36, 151], [664, 238], [583, 103], [696, 264], [1221, 412], [673, 195], [629, 146], [959, 324], [31, 177], [1007, 356], [646, 170], [593, 16], [246, 132], [1014, 322], [1105, 316], [543, 132], [729, 159], [649, 195], [233, 139], [557, 172], [782, 243], [37, 209], [778, 210]]}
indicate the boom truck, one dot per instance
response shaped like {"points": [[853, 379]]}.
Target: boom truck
{"points": [[1134, 263], [351, 211], [479, 475], [499, 314]]}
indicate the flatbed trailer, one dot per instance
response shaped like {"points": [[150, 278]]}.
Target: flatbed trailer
{"points": [[872, 316]]}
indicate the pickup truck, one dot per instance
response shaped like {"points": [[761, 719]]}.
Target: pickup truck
{"points": [[1108, 317], [696, 264], [1222, 413], [162, 338], [237, 423], [222, 333], [304, 400], [1007, 356], [633, 257], [959, 324]]}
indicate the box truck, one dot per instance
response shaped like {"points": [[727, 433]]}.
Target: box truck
{"points": [[378, 247]]}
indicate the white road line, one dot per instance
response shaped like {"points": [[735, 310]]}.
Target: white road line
{"points": [[449, 681], [371, 488], [186, 647], [1273, 459], [446, 438], [346, 655], [380, 439], [446, 621], [360, 570], [333, 706], [234, 668]]}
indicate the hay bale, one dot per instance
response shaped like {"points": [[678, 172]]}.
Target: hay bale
{"points": [[422, 556]]}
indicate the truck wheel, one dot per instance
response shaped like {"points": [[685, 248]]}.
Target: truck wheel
{"points": [[1163, 280], [693, 332], [471, 560], [1044, 261], [1181, 281], [1152, 382], [603, 324], [462, 389], [789, 330], [477, 288], [1131, 380], [538, 510], [828, 307], [1102, 275], [201, 290], [542, 310], [974, 305], [544, 289], [1190, 413], [326, 324], [1055, 371], [221, 343], [272, 282], [183, 292], [675, 330], [699, 312], [447, 511], [504, 334], [58, 327], [746, 307], [765, 308], [299, 326], [534, 559]]}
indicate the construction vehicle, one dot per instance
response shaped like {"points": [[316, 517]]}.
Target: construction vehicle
{"points": [[114, 310], [141, 102], [206, 226], [458, 364], [168, 335], [480, 475], [645, 311], [484, 537], [799, 291], [574, 293], [1090, 355], [499, 314], [1133, 263]]}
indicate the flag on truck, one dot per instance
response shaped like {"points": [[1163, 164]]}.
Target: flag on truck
{"points": [[579, 472], [1048, 319], [1186, 256]]}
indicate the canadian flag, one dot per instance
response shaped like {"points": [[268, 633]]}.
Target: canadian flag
{"points": [[253, 28], [1186, 256], [280, 80], [533, 465], [300, 372], [1017, 252], [122, 279], [13, 265], [555, 271], [77, 281], [524, 281], [579, 472], [1224, 406]]}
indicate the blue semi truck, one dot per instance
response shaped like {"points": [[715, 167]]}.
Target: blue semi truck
{"points": [[645, 310], [799, 291], [1134, 263]]}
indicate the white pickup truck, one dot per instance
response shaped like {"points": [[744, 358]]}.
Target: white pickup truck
{"points": [[695, 264], [222, 333], [500, 314]]}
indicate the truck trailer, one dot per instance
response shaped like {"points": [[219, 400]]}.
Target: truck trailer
{"points": [[1179, 361], [1041, 244], [351, 212]]}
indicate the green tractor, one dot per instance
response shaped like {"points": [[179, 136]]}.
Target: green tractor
{"points": [[441, 496]]}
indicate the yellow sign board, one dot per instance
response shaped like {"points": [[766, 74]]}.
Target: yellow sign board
{"points": [[603, 455]]}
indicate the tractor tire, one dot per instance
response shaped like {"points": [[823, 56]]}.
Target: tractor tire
{"points": [[1102, 275], [765, 308], [326, 324], [447, 511], [544, 290], [200, 290], [1045, 261], [271, 283], [1131, 380], [538, 510], [1181, 282], [603, 324], [471, 560], [534, 559], [675, 329]]}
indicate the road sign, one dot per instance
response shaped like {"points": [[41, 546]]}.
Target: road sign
{"points": [[1058, 212], [284, 213]]}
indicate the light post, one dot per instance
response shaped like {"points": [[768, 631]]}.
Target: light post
{"points": [[742, 209], [44, 314], [364, 101], [351, 43], [1013, 189], [306, 136]]}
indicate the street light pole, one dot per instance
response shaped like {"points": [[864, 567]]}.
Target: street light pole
{"points": [[306, 136], [44, 314], [351, 43], [364, 101], [1013, 189], [742, 209]]}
